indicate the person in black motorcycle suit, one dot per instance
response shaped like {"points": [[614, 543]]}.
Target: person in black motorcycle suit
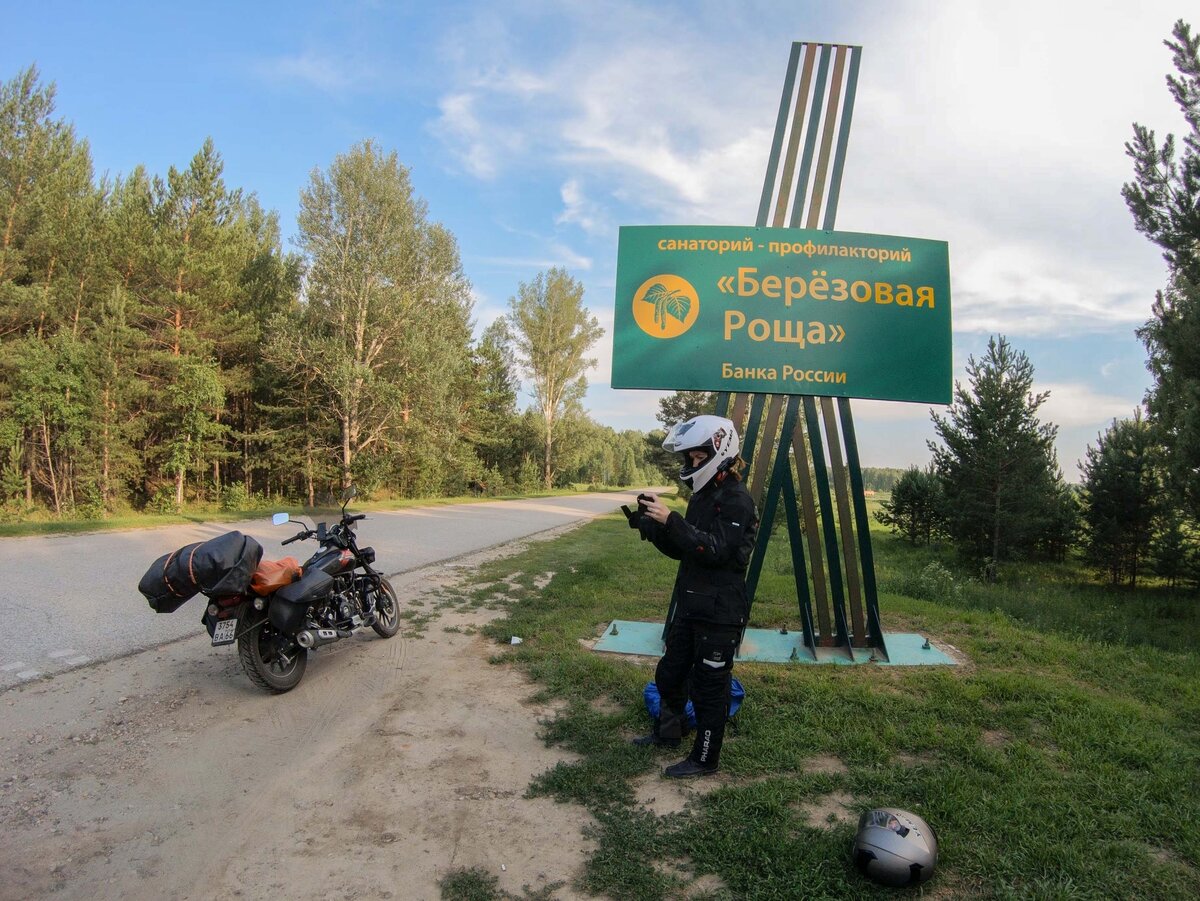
{"points": [[713, 542]]}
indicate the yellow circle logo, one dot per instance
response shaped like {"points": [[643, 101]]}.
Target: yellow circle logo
{"points": [[665, 306]]}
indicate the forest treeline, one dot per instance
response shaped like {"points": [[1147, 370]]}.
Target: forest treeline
{"points": [[159, 348]]}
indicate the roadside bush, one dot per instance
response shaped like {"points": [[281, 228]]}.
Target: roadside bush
{"points": [[163, 500], [90, 502], [235, 497], [934, 582]]}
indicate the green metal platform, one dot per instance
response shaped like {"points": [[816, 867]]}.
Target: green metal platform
{"points": [[624, 636]]}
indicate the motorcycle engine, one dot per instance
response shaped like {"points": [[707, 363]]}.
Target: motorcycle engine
{"points": [[346, 605]]}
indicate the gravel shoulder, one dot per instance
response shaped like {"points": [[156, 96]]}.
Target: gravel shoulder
{"points": [[166, 774]]}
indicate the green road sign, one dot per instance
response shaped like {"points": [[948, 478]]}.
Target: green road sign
{"points": [[782, 311]]}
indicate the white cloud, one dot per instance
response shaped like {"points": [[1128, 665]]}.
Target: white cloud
{"points": [[998, 141], [579, 210], [879, 411], [595, 104], [601, 372], [1074, 404], [1007, 141], [560, 255], [464, 133], [310, 69], [1017, 287], [625, 409], [569, 258], [971, 126], [515, 83]]}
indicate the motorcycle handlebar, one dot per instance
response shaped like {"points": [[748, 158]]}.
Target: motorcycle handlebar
{"points": [[356, 517], [294, 538]]}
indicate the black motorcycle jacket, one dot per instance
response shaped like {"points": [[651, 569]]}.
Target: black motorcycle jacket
{"points": [[713, 542]]}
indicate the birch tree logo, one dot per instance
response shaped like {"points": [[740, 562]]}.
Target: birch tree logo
{"points": [[665, 306]]}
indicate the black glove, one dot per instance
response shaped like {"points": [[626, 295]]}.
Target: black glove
{"points": [[637, 518]]}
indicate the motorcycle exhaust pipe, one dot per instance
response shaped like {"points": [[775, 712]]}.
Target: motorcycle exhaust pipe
{"points": [[309, 638]]}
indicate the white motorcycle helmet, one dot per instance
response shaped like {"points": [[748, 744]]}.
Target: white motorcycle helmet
{"points": [[895, 847], [714, 435]]}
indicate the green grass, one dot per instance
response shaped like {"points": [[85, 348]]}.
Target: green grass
{"points": [[1062, 598], [477, 884], [1060, 762]]}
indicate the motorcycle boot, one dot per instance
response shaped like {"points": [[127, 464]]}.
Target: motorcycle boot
{"points": [[668, 731], [688, 769], [706, 749]]}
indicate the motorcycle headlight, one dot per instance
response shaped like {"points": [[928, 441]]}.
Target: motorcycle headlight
{"points": [[368, 554]]}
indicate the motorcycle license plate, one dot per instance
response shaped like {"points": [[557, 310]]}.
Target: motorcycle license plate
{"points": [[224, 632]]}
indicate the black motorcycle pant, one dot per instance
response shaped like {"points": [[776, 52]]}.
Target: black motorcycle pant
{"points": [[698, 661]]}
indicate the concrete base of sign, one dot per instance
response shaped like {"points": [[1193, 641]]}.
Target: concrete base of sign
{"points": [[772, 646]]}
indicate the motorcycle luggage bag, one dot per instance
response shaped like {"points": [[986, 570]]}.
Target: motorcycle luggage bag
{"points": [[163, 593], [291, 603], [219, 567]]}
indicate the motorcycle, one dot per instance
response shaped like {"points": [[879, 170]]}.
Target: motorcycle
{"points": [[278, 611]]}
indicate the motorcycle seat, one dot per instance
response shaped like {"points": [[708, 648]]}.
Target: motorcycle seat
{"points": [[271, 575]]}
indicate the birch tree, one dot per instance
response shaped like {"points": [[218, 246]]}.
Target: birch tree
{"points": [[553, 332], [382, 339]]}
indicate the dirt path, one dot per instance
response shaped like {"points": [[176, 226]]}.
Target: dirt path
{"points": [[167, 775]]}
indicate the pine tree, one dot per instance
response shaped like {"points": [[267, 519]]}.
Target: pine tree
{"points": [[125, 353], [192, 306], [1122, 498], [1164, 199], [493, 417], [1175, 550], [997, 465], [32, 147], [683, 405], [916, 508], [49, 389], [268, 285], [49, 214], [114, 351]]}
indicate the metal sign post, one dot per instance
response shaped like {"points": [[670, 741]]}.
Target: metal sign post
{"points": [[787, 321]]}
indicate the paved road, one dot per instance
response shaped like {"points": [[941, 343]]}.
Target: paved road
{"points": [[66, 601]]}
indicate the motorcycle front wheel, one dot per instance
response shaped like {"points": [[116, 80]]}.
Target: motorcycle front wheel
{"points": [[387, 609], [260, 650]]}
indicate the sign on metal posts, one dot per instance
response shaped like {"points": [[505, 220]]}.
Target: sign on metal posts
{"points": [[782, 311], [787, 321]]}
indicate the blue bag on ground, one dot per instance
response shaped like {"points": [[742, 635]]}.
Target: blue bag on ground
{"points": [[653, 702]]}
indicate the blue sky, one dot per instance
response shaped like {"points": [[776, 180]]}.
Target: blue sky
{"points": [[535, 129]]}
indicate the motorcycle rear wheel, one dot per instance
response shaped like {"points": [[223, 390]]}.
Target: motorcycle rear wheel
{"points": [[387, 610], [260, 657]]}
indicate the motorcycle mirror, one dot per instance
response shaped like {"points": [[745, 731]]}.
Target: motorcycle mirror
{"points": [[279, 519], [348, 494]]}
